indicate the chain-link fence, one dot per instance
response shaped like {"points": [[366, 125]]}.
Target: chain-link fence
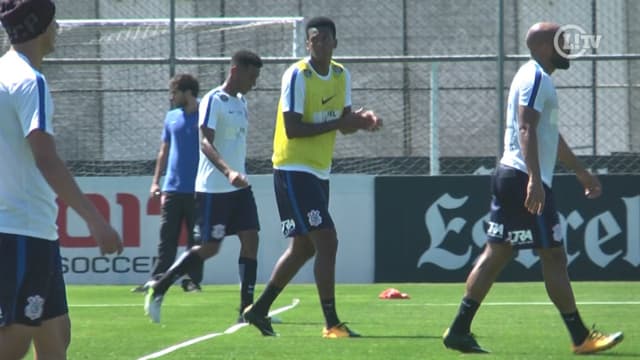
{"points": [[431, 69]]}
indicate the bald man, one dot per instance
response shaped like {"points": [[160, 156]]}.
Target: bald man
{"points": [[523, 213]]}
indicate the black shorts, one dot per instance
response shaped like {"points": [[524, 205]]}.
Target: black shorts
{"points": [[303, 202], [223, 214], [511, 222], [32, 287]]}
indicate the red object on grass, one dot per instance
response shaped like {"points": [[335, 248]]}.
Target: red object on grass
{"points": [[392, 293]]}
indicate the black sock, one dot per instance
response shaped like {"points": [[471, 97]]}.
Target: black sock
{"points": [[247, 268], [466, 312], [329, 311], [182, 266], [576, 327], [267, 298]]}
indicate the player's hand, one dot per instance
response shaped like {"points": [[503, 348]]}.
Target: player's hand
{"points": [[354, 121], [535, 197], [237, 179], [107, 238], [155, 190], [590, 183], [360, 120], [375, 122]]}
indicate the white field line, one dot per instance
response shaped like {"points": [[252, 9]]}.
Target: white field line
{"points": [[230, 330], [525, 303], [122, 305], [398, 302]]}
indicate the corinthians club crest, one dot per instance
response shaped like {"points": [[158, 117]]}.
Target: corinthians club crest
{"points": [[33, 310]]}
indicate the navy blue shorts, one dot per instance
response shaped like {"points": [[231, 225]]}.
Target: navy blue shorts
{"points": [[511, 222], [32, 288], [223, 214], [303, 202]]}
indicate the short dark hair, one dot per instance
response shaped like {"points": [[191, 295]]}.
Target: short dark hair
{"points": [[246, 58], [320, 21], [184, 82]]}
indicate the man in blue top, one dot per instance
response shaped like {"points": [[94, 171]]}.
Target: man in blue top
{"points": [[180, 147]]}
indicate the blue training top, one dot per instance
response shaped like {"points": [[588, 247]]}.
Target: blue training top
{"points": [[181, 134]]}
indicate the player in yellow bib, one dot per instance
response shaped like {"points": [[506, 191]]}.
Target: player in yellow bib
{"points": [[315, 103], [321, 99]]}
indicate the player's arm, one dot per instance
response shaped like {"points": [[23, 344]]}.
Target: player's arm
{"points": [[293, 108], [296, 128], [590, 182], [349, 121], [59, 178], [207, 135], [371, 121], [161, 164], [346, 130], [527, 124], [347, 108]]}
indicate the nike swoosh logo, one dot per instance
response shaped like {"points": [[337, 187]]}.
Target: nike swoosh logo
{"points": [[324, 101]]}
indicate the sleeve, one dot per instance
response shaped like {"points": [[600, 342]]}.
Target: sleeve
{"points": [[208, 114], [347, 92], [166, 135], [35, 106], [293, 93], [533, 91]]}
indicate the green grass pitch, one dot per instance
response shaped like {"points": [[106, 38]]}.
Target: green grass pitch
{"points": [[516, 321]]}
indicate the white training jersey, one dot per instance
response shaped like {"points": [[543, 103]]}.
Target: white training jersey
{"points": [[289, 84], [228, 116], [27, 202], [532, 87]]}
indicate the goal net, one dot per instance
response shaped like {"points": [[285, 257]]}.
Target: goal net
{"points": [[109, 80]]}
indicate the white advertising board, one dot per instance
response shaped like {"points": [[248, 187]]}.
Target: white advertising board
{"points": [[125, 202]]}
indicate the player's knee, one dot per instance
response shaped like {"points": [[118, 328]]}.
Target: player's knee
{"points": [[308, 253], [52, 352], [52, 338], [303, 253], [324, 240], [555, 256], [12, 347], [249, 252], [15, 351], [498, 252], [248, 244], [493, 259], [208, 250], [52, 348]]}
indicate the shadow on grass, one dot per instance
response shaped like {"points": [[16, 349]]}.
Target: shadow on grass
{"points": [[401, 337], [616, 355], [304, 323]]}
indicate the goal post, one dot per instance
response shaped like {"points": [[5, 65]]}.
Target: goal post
{"points": [[152, 27], [109, 79]]}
